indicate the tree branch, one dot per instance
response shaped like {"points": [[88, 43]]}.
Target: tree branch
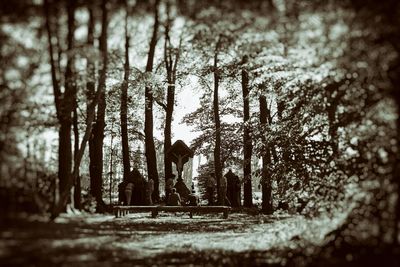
{"points": [[55, 81], [161, 104]]}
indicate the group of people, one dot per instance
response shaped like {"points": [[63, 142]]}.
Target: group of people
{"points": [[179, 194], [135, 190], [174, 199], [230, 189]]}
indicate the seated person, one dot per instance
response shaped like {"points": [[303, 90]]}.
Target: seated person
{"points": [[182, 189], [192, 200], [174, 199]]}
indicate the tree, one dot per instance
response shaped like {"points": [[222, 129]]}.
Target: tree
{"points": [[150, 151], [202, 120], [77, 182], [247, 141], [218, 35], [64, 101], [217, 123], [97, 137], [266, 181], [171, 66], [124, 104], [90, 69]]}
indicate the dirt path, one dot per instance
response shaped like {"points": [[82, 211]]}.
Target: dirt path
{"points": [[167, 239]]}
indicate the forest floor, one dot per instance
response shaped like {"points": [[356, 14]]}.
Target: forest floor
{"points": [[138, 239]]}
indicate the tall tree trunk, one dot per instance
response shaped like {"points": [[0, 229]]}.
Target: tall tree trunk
{"points": [[96, 142], [167, 131], [77, 182], [90, 68], [397, 165], [111, 164], [171, 68], [217, 122], [169, 109], [151, 158], [272, 147], [124, 107], [90, 82], [284, 159], [91, 112], [266, 161], [64, 155], [247, 142], [395, 80], [64, 102], [66, 107]]}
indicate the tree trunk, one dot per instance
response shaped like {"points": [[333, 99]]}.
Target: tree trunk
{"points": [[96, 142], [90, 83], [171, 68], [167, 131], [148, 125], [91, 110], [65, 108], [64, 156], [124, 107], [111, 166], [77, 182], [247, 142], [63, 101], [217, 122], [397, 166], [266, 161], [395, 80]]}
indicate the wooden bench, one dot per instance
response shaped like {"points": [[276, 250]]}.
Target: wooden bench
{"points": [[123, 210], [194, 209], [120, 211]]}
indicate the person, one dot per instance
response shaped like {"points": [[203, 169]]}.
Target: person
{"points": [[210, 186], [193, 200], [169, 184], [182, 189], [121, 193], [230, 186], [139, 188], [149, 191], [174, 199], [233, 187], [128, 193], [223, 191]]}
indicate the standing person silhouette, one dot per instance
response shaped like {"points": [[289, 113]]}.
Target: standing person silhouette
{"points": [[150, 189], [128, 193], [210, 188]]}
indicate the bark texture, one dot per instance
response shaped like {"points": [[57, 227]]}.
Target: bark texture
{"points": [[266, 181], [217, 123], [124, 107], [97, 137], [151, 157], [247, 142]]}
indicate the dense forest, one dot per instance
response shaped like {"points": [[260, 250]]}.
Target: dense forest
{"points": [[301, 99]]}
